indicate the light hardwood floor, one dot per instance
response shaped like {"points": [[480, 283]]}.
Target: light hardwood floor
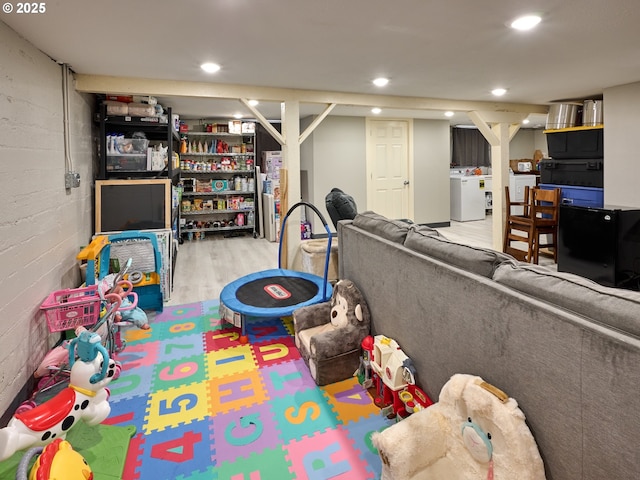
{"points": [[204, 267]]}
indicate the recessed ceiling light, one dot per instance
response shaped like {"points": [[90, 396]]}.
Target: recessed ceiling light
{"points": [[498, 92], [210, 67], [525, 121], [376, 110], [526, 22], [237, 115], [448, 114], [380, 82], [253, 103]]}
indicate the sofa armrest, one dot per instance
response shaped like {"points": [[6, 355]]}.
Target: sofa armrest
{"points": [[335, 342], [311, 316], [408, 447]]}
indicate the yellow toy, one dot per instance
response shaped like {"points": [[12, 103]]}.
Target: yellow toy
{"points": [[58, 461]]}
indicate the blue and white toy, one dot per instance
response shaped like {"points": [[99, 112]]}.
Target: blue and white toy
{"points": [[86, 398]]}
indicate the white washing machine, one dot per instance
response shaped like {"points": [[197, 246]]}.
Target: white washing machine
{"points": [[467, 198]]}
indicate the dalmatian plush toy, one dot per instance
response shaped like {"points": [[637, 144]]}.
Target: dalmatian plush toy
{"points": [[86, 398], [328, 335], [474, 432]]}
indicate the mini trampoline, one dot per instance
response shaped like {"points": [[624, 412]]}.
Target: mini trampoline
{"points": [[277, 292]]}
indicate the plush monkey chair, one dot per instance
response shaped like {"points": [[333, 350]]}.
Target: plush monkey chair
{"points": [[328, 334], [474, 432]]}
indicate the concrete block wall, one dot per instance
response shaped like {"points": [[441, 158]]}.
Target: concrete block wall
{"points": [[42, 224]]}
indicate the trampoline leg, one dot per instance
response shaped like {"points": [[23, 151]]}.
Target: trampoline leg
{"points": [[244, 339]]}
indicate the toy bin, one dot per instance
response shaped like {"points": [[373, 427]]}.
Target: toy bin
{"points": [[314, 256], [71, 308]]}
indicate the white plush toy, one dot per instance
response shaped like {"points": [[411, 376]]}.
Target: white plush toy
{"points": [[474, 431]]}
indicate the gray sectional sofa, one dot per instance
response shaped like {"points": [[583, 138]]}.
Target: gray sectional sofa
{"points": [[567, 349]]}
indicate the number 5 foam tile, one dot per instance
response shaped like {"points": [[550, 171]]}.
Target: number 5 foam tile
{"points": [[325, 455], [303, 412], [349, 400], [287, 378], [176, 451], [270, 464], [176, 406], [239, 434], [184, 371]]}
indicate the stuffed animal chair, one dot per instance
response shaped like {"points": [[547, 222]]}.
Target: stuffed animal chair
{"points": [[475, 431], [328, 335]]}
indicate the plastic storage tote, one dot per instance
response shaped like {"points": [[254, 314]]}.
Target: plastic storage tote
{"points": [[578, 196]]}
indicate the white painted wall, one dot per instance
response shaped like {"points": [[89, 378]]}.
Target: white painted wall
{"points": [[42, 225], [526, 142], [335, 156], [621, 156], [431, 160]]}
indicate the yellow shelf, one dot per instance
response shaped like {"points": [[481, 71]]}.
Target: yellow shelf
{"points": [[575, 129]]}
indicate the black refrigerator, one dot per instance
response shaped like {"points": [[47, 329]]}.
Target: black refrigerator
{"points": [[602, 244]]}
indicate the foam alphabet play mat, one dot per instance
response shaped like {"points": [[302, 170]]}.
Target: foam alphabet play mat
{"points": [[207, 407]]}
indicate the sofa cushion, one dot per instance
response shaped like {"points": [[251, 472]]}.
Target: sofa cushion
{"points": [[393, 230], [615, 307], [426, 230], [481, 261]]}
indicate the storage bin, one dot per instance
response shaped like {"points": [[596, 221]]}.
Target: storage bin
{"points": [[120, 163], [578, 196], [131, 145], [582, 172], [71, 308], [314, 257], [578, 143]]}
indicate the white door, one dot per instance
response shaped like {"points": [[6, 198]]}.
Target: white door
{"points": [[388, 168]]}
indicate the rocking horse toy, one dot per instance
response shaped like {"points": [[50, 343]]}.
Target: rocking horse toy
{"points": [[86, 398]]}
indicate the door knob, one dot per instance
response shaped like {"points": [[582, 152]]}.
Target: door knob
{"points": [[406, 182]]}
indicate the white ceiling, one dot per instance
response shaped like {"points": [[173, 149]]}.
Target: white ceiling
{"points": [[454, 49]]}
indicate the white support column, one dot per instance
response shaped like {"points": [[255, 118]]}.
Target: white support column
{"points": [[290, 116], [498, 128], [500, 178]]}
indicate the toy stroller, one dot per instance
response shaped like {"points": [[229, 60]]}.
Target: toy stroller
{"points": [[53, 372]]}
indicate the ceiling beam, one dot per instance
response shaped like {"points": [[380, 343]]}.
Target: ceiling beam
{"points": [[145, 86], [264, 122], [316, 121]]}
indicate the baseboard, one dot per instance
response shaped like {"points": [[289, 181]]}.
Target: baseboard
{"points": [[23, 396], [437, 224]]}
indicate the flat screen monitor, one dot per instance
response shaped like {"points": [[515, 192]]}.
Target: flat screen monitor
{"points": [[132, 204]]}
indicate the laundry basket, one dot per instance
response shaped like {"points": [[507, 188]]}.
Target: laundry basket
{"points": [[314, 255]]}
